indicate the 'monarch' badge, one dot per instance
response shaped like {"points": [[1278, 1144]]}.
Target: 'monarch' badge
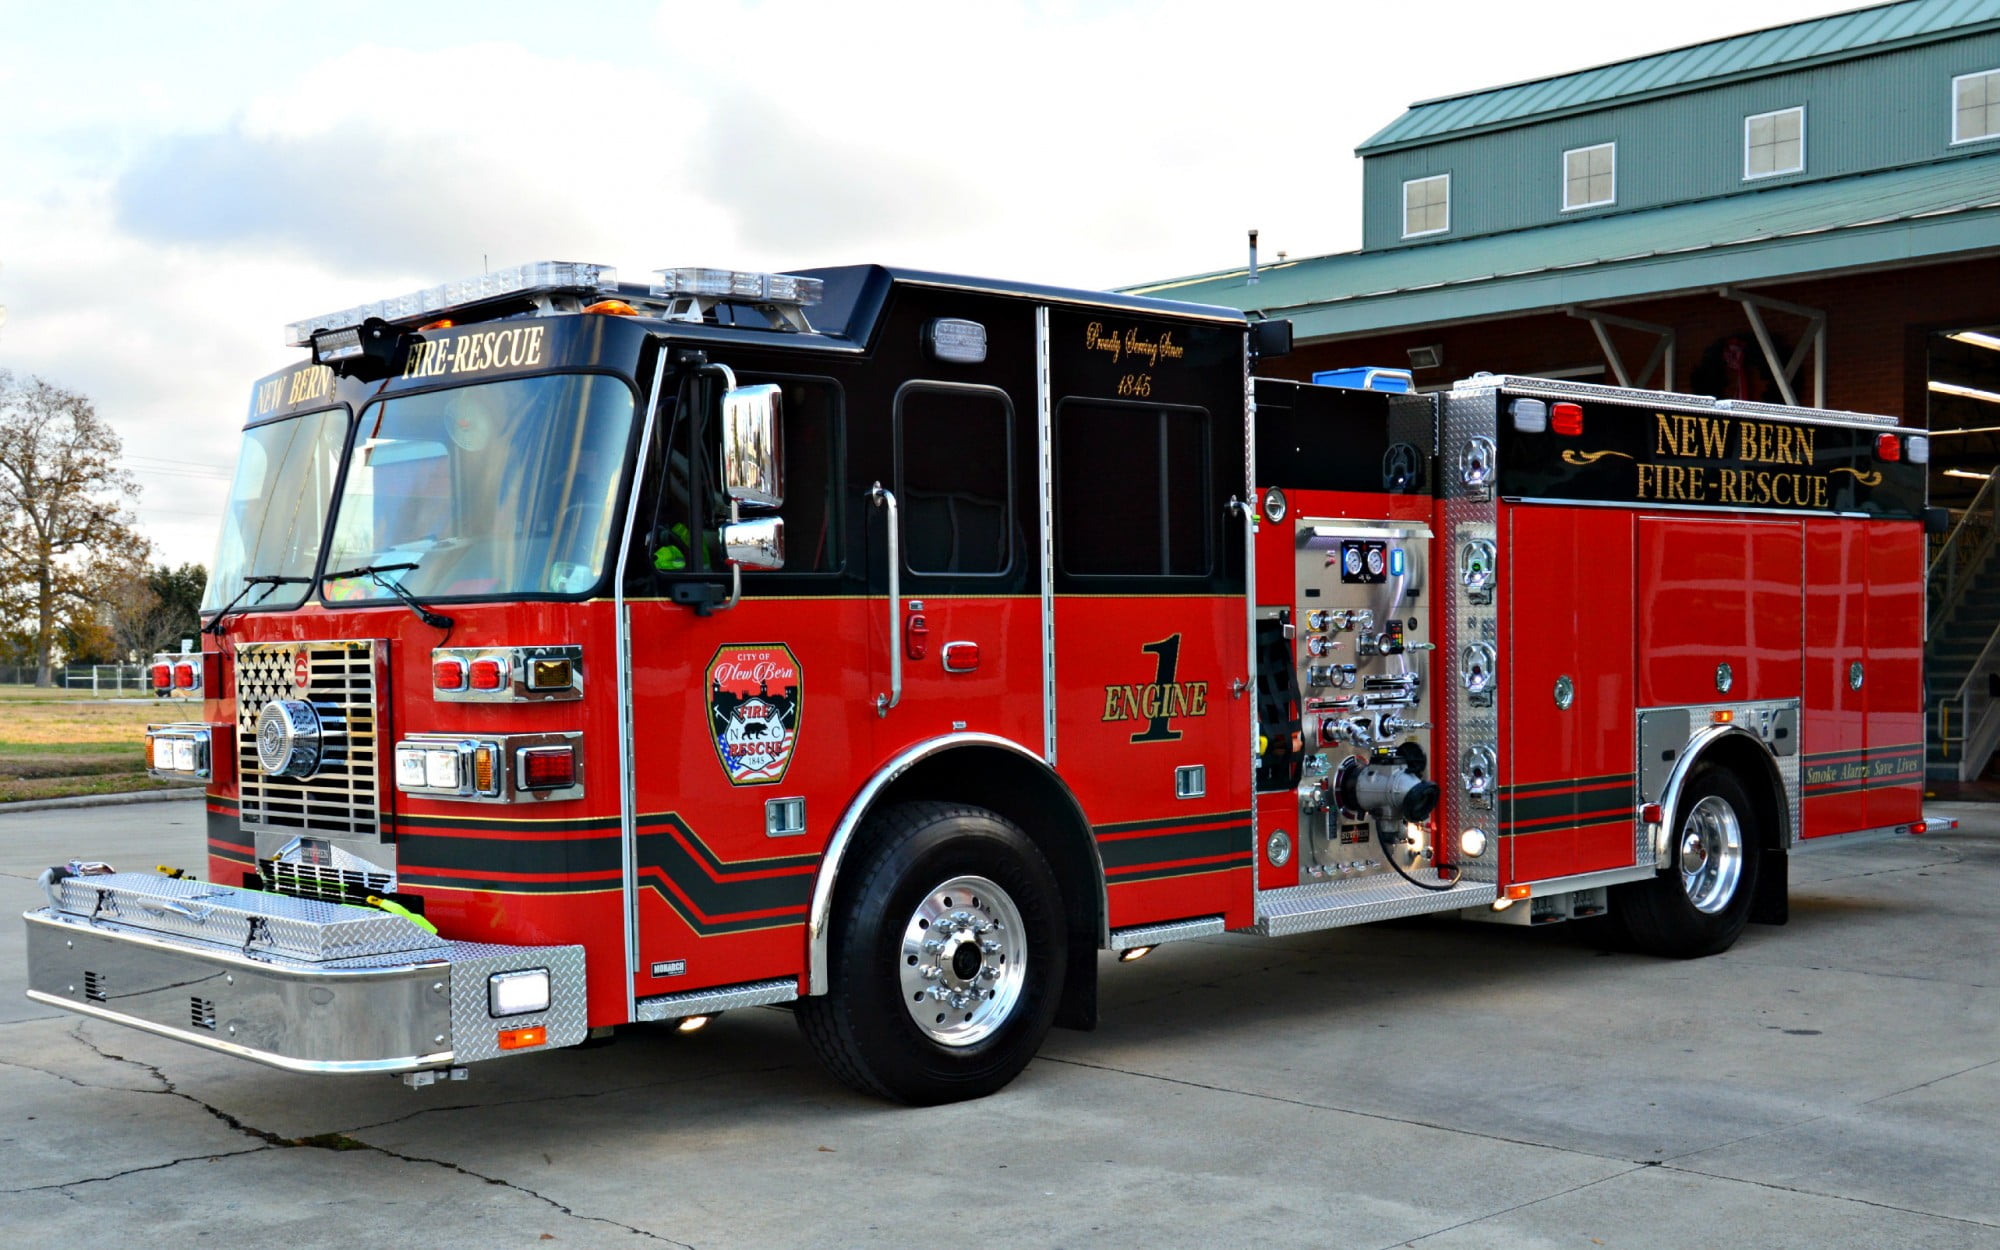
{"points": [[753, 710]]}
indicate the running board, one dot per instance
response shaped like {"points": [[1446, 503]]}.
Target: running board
{"points": [[721, 998], [1150, 935], [1330, 904]]}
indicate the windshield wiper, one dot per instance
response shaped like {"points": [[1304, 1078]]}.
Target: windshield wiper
{"points": [[269, 581], [435, 620]]}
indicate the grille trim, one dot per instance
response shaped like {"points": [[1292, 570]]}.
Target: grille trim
{"points": [[349, 691]]}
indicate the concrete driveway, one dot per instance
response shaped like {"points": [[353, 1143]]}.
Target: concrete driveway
{"points": [[1831, 1083]]}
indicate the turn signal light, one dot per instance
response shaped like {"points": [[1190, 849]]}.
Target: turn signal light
{"points": [[545, 768], [613, 307], [1888, 447], [517, 1039], [1721, 716], [1566, 418], [1519, 892], [488, 674]]}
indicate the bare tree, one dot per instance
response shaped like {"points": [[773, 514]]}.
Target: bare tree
{"points": [[64, 526]]}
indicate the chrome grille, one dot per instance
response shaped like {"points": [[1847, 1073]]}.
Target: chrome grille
{"points": [[328, 884], [342, 799]]}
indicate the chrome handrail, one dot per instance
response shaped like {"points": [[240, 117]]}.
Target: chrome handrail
{"points": [[883, 702]]}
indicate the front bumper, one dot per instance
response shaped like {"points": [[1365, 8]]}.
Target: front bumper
{"points": [[400, 1011]]}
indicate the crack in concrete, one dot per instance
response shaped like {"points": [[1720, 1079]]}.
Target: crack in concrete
{"points": [[63, 1187], [321, 1141], [1927, 1084], [1519, 1206], [1818, 1193], [1322, 1106], [494, 1180]]}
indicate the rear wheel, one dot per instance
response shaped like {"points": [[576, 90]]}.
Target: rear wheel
{"points": [[1700, 905], [947, 957]]}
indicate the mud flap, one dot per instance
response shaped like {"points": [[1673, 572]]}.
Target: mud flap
{"points": [[1078, 1009], [1772, 903]]}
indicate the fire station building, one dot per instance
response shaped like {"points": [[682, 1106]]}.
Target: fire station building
{"points": [[1804, 214]]}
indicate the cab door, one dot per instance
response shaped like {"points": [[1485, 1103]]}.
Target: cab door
{"points": [[1149, 619]]}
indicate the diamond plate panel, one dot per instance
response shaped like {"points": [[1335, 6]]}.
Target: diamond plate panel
{"points": [[474, 1030], [1323, 905], [243, 920], [348, 686], [723, 998], [1469, 516]]}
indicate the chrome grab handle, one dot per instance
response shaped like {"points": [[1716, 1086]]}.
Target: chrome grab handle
{"points": [[883, 702]]}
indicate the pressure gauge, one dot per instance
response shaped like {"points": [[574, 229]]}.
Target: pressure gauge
{"points": [[1350, 561], [1377, 561]]}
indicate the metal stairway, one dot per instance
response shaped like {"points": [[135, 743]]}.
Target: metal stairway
{"points": [[1962, 651]]}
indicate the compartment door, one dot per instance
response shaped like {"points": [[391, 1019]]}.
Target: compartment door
{"points": [[1892, 674]]}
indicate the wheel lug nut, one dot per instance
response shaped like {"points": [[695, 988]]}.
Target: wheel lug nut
{"points": [[933, 947], [931, 972], [990, 946]]}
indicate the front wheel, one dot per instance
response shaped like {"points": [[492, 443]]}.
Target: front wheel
{"points": [[1700, 905], [948, 951]]}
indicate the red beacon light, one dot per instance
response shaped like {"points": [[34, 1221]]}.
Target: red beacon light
{"points": [[163, 676], [186, 676], [1566, 418]]}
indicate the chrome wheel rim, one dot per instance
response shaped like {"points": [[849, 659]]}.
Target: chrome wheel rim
{"points": [[1711, 854], [964, 961]]}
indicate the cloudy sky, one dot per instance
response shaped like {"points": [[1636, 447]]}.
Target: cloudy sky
{"points": [[178, 181]]}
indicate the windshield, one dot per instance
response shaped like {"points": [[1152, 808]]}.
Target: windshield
{"points": [[277, 507], [500, 489]]}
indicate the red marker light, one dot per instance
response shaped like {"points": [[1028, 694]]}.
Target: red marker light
{"points": [[1566, 418], [1888, 447], [546, 768], [448, 674], [488, 674], [185, 677], [163, 676]]}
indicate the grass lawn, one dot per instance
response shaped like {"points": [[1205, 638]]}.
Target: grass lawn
{"points": [[59, 743]]}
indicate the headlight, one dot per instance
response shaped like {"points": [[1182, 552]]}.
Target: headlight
{"points": [[517, 993]]}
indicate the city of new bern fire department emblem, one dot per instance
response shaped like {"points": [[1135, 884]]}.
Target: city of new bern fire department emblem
{"points": [[753, 711]]}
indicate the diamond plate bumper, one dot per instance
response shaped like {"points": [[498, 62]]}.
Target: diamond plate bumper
{"points": [[394, 1012]]}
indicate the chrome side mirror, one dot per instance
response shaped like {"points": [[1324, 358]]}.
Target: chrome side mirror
{"points": [[756, 544], [753, 462]]}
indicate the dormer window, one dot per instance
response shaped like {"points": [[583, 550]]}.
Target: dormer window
{"points": [[1975, 106], [1427, 206], [1774, 143], [1590, 177]]}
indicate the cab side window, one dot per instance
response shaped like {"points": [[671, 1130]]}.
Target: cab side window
{"points": [[1132, 490], [955, 478]]}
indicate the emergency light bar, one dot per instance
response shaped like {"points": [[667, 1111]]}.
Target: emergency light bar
{"points": [[544, 277], [781, 297]]}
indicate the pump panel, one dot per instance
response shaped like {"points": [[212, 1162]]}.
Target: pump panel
{"points": [[1364, 662]]}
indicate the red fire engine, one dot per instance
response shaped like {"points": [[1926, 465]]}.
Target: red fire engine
{"points": [[890, 644]]}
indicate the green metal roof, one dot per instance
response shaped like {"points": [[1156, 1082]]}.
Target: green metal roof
{"points": [[1858, 33], [1906, 215]]}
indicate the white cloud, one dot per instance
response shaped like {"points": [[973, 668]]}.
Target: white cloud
{"points": [[158, 228]]}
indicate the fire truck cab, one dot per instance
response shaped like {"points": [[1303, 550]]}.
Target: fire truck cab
{"points": [[890, 644]]}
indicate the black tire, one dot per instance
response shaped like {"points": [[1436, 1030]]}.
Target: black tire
{"points": [[866, 1029], [1700, 905]]}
